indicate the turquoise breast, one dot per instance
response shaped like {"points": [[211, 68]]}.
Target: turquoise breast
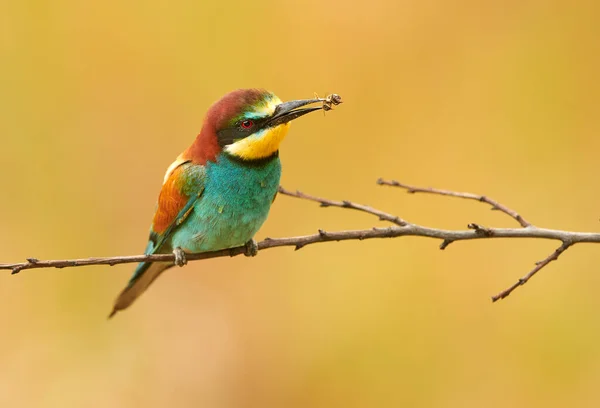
{"points": [[235, 203]]}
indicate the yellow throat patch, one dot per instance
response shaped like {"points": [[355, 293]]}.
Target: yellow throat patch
{"points": [[260, 144]]}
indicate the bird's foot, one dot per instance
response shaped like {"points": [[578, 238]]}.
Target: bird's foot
{"points": [[180, 259], [251, 248]]}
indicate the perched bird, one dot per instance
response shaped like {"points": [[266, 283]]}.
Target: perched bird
{"points": [[218, 192]]}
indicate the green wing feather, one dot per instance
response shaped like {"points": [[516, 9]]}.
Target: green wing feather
{"points": [[189, 182]]}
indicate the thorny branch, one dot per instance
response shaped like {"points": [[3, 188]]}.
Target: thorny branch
{"points": [[400, 228]]}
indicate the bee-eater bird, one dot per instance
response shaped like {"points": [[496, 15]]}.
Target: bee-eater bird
{"points": [[218, 192]]}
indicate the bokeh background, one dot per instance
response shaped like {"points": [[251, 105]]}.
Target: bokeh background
{"points": [[500, 98]]}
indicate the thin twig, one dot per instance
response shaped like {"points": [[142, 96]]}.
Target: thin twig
{"points": [[469, 196], [325, 236], [383, 216], [539, 265], [400, 229]]}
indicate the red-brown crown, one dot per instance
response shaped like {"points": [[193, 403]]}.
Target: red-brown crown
{"points": [[220, 115]]}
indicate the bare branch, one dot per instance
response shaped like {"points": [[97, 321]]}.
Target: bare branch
{"points": [[469, 196], [401, 228], [539, 265], [383, 216]]}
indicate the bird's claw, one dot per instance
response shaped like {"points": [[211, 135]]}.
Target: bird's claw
{"points": [[251, 248], [180, 259]]}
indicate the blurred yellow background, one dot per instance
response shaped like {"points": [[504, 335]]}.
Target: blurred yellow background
{"points": [[497, 98]]}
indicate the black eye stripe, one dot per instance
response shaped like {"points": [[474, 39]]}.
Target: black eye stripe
{"points": [[255, 121], [237, 131]]}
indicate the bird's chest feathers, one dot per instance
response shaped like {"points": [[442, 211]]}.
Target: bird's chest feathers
{"points": [[234, 205], [243, 188]]}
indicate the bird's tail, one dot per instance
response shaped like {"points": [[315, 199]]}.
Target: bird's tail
{"points": [[145, 274]]}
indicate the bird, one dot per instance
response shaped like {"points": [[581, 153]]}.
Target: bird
{"points": [[218, 192]]}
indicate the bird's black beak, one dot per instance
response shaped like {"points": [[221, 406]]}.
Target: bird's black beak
{"points": [[288, 111]]}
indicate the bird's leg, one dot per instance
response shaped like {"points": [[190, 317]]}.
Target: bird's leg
{"points": [[251, 248], [179, 257]]}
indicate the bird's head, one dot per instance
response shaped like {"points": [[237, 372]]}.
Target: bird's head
{"points": [[249, 124]]}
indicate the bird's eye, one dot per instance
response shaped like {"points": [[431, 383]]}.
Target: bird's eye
{"points": [[247, 124]]}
